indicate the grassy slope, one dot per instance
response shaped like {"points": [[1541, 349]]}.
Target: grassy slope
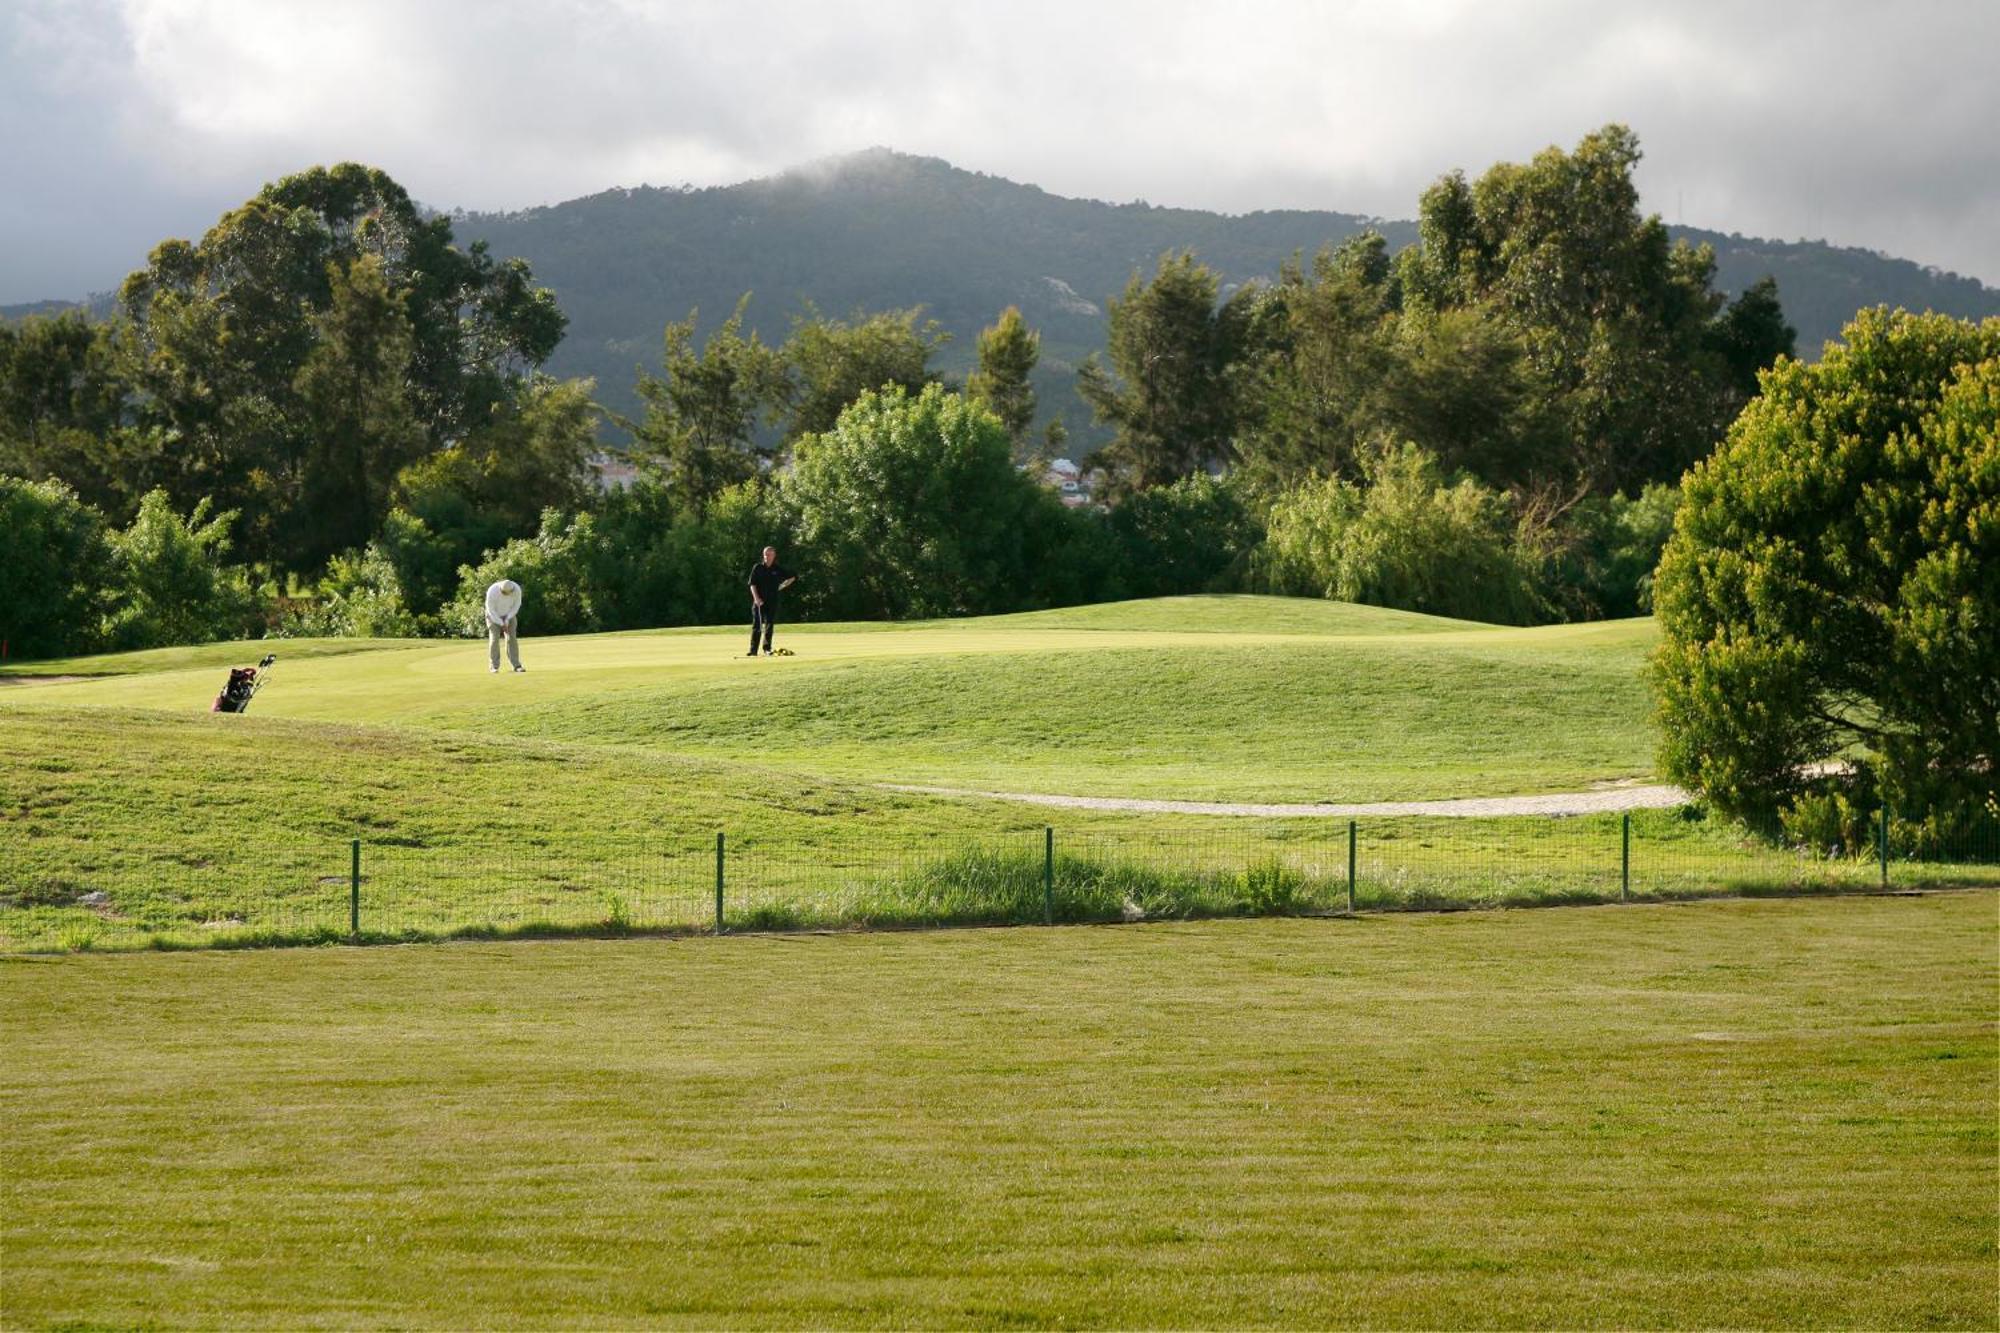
{"points": [[1242, 698], [1743, 1114], [204, 828]]}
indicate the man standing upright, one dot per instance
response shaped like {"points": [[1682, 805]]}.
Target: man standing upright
{"points": [[767, 580], [503, 621]]}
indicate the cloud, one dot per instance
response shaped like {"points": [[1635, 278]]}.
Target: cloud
{"points": [[1867, 124]]}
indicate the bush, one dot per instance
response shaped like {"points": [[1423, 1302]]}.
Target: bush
{"points": [[61, 575], [1402, 538], [661, 564], [362, 596], [1075, 558], [427, 562], [176, 587], [1597, 561], [1833, 582], [912, 507], [1195, 535], [555, 569]]}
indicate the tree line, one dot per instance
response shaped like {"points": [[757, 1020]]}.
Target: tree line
{"points": [[350, 408]]}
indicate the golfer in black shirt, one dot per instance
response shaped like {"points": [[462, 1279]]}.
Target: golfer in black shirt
{"points": [[767, 580]]}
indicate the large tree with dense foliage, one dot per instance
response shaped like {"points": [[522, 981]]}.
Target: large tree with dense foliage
{"points": [[1639, 358], [912, 506], [1337, 367], [1321, 364], [832, 362], [225, 329], [1008, 351], [1172, 391], [353, 389], [704, 410], [67, 410], [1832, 588]]}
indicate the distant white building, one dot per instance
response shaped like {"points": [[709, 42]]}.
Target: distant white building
{"points": [[1067, 480], [613, 472]]}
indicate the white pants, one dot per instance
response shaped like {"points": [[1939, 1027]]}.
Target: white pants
{"points": [[512, 634]]}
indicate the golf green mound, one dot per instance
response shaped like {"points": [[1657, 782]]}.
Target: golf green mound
{"points": [[1207, 698]]}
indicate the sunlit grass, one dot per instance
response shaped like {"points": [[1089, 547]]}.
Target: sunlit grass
{"points": [[1218, 698], [1751, 1114]]}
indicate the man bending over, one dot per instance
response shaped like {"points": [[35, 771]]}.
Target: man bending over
{"points": [[503, 621]]}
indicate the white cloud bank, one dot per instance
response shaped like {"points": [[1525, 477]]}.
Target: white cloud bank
{"points": [[1867, 124]]}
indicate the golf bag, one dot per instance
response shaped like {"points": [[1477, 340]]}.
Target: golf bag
{"points": [[244, 682]]}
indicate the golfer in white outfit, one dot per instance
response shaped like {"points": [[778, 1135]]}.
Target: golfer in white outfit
{"points": [[503, 621]]}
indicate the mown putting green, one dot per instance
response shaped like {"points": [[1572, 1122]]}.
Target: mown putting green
{"points": [[1745, 1114], [1218, 698]]}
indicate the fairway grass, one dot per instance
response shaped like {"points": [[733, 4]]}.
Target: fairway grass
{"points": [[1744, 1114], [137, 828]]}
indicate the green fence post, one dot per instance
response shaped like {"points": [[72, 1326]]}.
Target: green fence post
{"points": [[1625, 861], [1882, 842], [1350, 867], [1048, 875], [354, 890], [718, 881]]}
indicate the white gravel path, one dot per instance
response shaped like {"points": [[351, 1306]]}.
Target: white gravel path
{"points": [[1611, 798]]}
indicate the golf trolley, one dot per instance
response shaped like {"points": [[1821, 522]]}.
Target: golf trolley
{"points": [[244, 682]]}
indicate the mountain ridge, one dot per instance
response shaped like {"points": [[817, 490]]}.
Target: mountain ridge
{"points": [[879, 229]]}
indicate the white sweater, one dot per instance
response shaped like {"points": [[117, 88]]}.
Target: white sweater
{"points": [[503, 602]]}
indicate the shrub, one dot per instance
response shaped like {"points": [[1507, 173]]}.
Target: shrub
{"points": [[176, 586], [1402, 538], [361, 595], [912, 507], [1597, 561], [60, 571], [661, 564], [554, 569], [1194, 535]]}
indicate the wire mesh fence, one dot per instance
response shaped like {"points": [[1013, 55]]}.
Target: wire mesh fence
{"points": [[75, 895]]}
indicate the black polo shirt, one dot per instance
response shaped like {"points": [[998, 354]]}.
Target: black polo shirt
{"points": [[766, 580]]}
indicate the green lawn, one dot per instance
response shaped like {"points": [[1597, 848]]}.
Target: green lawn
{"points": [[589, 792], [1217, 698], [132, 828], [1751, 1114]]}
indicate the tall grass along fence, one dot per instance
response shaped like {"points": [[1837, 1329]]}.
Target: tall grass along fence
{"points": [[71, 895]]}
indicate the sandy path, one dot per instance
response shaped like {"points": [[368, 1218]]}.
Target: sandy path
{"points": [[1636, 797]]}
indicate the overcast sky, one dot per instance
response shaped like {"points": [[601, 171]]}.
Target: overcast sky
{"points": [[125, 121]]}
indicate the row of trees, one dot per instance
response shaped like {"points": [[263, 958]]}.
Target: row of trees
{"points": [[910, 506], [1543, 336], [361, 398]]}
